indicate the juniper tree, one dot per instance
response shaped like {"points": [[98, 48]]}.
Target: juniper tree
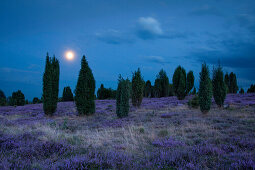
{"points": [[67, 94], [241, 91], [50, 85], [190, 82], [205, 89], [171, 90], [251, 89], [137, 88], [18, 98], [233, 88], [179, 82], [85, 90], [36, 100], [148, 89], [122, 97], [2, 98], [161, 85], [226, 80], [219, 86]]}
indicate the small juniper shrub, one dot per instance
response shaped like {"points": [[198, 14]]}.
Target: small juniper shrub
{"points": [[205, 89], [122, 97], [137, 88], [179, 82], [194, 102]]}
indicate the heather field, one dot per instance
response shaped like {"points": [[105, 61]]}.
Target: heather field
{"points": [[162, 133]]}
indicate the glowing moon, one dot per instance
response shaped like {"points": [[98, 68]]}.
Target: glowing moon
{"points": [[69, 55]]}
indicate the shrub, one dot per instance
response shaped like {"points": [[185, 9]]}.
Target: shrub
{"points": [[106, 93], [85, 90], [148, 89], [67, 94], [161, 85], [18, 98], [122, 97], [251, 89], [190, 82], [231, 82], [2, 98], [179, 82], [219, 86], [36, 100], [171, 90], [137, 88], [194, 102], [241, 91], [205, 89], [50, 85]]}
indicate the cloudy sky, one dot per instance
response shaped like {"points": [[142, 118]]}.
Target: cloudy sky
{"points": [[117, 37]]}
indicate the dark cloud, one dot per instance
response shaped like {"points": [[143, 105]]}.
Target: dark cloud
{"points": [[205, 11], [114, 37], [247, 21]]}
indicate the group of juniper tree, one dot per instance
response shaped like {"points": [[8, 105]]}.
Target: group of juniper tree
{"points": [[136, 89]]}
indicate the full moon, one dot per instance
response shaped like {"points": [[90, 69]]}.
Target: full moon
{"points": [[69, 55]]}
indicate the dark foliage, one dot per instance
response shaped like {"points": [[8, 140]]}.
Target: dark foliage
{"points": [[122, 97], [148, 89], [194, 102], [190, 82], [137, 88], [105, 93], [171, 90], [251, 89], [36, 100], [231, 82], [161, 85], [205, 89], [50, 85], [67, 94], [18, 98], [179, 82], [219, 86], [241, 91], [2, 98], [85, 90], [194, 91]]}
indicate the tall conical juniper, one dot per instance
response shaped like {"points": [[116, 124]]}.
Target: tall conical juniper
{"points": [[122, 97], [179, 82], [137, 88], [50, 85], [205, 89], [85, 90], [219, 86], [67, 94]]}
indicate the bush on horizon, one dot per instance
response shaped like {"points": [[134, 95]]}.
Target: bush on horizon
{"points": [[2, 98], [122, 97], [251, 89], [85, 90], [18, 98], [137, 88], [50, 85], [161, 85], [231, 82], [67, 94], [205, 89], [148, 89], [105, 93], [219, 86], [179, 82], [36, 100]]}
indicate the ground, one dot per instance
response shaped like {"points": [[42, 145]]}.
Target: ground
{"points": [[162, 133]]}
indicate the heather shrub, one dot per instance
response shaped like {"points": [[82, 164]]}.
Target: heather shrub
{"points": [[190, 82], [18, 98], [85, 90], [205, 89], [67, 94], [50, 85], [241, 91], [162, 133], [122, 97], [179, 82], [148, 89], [2, 98], [251, 89], [137, 88], [219, 86], [161, 85], [194, 102]]}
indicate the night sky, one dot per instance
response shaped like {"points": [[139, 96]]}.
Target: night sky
{"points": [[119, 36]]}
